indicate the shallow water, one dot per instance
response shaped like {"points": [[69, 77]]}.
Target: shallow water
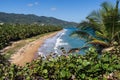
{"points": [[62, 39]]}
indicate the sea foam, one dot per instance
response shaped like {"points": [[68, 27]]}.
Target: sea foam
{"points": [[59, 42], [51, 44]]}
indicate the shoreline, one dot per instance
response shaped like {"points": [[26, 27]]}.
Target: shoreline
{"points": [[27, 53], [51, 44]]}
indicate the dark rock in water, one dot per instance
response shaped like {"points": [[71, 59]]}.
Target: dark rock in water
{"points": [[77, 49], [74, 50]]}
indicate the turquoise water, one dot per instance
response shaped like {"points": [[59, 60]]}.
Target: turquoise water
{"points": [[62, 39]]}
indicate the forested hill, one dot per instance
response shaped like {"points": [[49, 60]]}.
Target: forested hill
{"points": [[31, 18]]}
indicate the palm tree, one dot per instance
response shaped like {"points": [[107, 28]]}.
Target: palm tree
{"points": [[106, 21], [106, 24]]}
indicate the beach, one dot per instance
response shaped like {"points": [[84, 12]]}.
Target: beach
{"points": [[61, 40], [27, 53]]}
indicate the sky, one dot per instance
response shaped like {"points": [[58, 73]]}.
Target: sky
{"points": [[68, 10]]}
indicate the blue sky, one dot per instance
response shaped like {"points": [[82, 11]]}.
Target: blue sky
{"points": [[69, 10]]}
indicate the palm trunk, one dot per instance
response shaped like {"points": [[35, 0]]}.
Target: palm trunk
{"points": [[113, 27], [115, 15]]}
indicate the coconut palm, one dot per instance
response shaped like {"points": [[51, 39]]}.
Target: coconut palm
{"points": [[106, 21], [106, 24]]}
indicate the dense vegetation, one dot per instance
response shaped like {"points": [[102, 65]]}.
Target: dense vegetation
{"points": [[31, 19], [15, 32], [90, 66]]}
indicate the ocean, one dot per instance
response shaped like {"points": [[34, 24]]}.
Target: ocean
{"points": [[61, 40]]}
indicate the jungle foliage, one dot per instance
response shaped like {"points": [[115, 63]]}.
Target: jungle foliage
{"points": [[14, 32], [90, 66]]}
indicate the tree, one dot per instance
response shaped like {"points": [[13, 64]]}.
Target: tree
{"points": [[106, 24]]}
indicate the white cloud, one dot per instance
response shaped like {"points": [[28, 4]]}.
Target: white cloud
{"points": [[36, 3], [53, 9], [30, 4]]}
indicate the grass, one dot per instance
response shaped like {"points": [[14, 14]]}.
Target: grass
{"points": [[15, 48], [19, 44]]}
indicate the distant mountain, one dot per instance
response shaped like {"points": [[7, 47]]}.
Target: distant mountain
{"points": [[32, 19]]}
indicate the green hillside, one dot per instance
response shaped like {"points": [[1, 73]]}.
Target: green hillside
{"points": [[32, 19]]}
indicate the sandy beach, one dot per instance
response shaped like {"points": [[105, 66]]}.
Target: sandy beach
{"points": [[27, 53]]}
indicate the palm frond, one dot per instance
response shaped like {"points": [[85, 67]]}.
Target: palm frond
{"points": [[83, 25], [81, 34], [99, 42], [96, 16], [96, 26], [116, 34], [96, 20], [101, 35], [107, 6]]}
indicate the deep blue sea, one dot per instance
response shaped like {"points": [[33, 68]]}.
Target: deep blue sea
{"points": [[62, 39]]}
